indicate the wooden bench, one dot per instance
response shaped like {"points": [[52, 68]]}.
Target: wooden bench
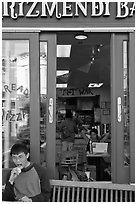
{"points": [[77, 191]]}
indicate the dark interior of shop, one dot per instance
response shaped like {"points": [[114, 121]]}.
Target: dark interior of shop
{"points": [[86, 66], [89, 59]]}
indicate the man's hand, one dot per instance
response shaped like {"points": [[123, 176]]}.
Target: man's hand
{"points": [[14, 173], [25, 199]]}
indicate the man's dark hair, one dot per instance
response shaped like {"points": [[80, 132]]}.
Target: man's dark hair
{"points": [[18, 148], [94, 130], [68, 113]]}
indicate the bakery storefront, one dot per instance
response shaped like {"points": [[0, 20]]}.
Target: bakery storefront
{"points": [[69, 55]]}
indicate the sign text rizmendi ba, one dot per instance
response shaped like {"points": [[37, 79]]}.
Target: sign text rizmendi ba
{"points": [[60, 10]]}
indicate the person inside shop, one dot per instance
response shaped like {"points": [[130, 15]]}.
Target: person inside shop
{"points": [[68, 129], [106, 137], [90, 138], [27, 181], [93, 138], [105, 165], [107, 160], [78, 121]]}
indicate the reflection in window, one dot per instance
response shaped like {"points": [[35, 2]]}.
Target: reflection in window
{"points": [[126, 104], [43, 95], [15, 95]]}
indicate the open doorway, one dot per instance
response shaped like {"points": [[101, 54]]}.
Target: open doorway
{"points": [[83, 86]]}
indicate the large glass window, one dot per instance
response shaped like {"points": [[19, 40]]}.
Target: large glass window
{"points": [[126, 104], [43, 97], [15, 95], [83, 86]]}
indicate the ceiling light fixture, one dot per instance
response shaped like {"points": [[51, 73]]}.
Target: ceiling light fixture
{"points": [[62, 72], [81, 37], [92, 58], [63, 50], [61, 85], [94, 51]]}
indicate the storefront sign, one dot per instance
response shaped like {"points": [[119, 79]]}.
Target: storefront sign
{"points": [[13, 87], [75, 92], [65, 9], [9, 116]]}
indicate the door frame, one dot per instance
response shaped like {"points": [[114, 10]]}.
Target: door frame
{"points": [[116, 140], [132, 104], [34, 89], [50, 38], [121, 173]]}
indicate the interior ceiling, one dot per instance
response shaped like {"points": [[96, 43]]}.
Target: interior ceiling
{"points": [[82, 72]]}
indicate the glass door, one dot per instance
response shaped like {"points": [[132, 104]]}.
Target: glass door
{"points": [[20, 93], [83, 63], [83, 87], [28, 96], [48, 101], [122, 116]]}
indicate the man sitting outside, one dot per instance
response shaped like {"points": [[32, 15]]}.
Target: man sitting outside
{"points": [[27, 182]]}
